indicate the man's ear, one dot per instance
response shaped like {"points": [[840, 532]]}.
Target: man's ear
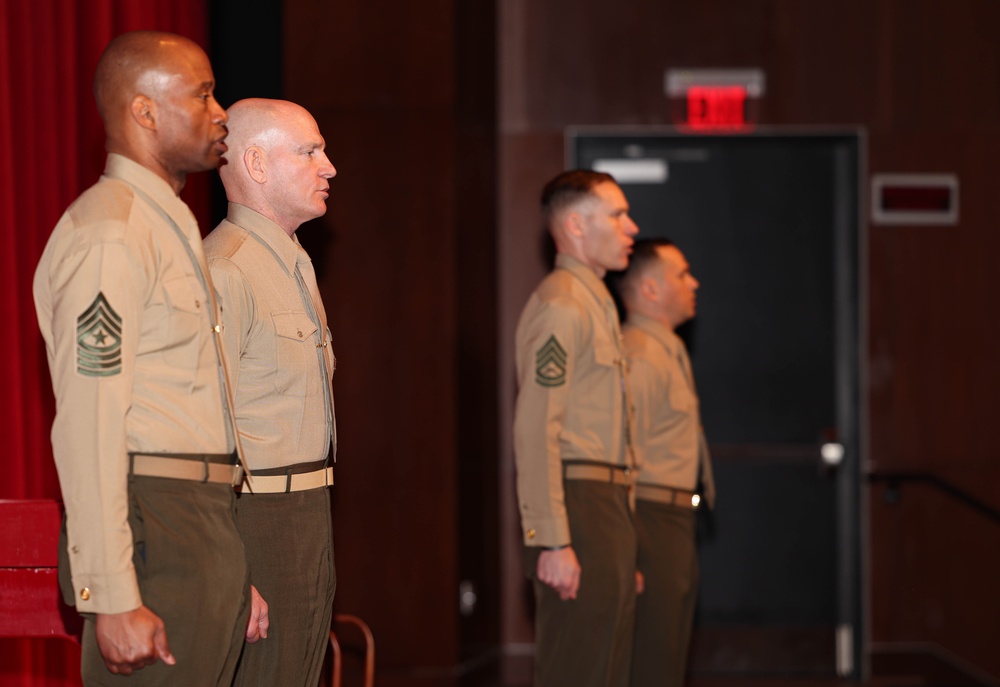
{"points": [[143, 111], [649, 289], [573, 223], [253, 158]]}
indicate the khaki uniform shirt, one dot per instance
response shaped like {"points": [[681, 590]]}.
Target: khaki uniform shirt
{"points": [[570, 403], [669, 444], [276, 339], [127, 324]]}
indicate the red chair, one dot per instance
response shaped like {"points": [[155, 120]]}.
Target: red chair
{"points": [[369, 655], [30, 602]]}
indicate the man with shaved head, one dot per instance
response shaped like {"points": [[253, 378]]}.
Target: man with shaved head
{"points": [[143, 436], [277, 176]]}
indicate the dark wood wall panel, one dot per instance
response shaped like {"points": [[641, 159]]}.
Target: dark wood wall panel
{"points": [[387, 278], [445, 118], [405, 101], [922, 78], [937, 553]]}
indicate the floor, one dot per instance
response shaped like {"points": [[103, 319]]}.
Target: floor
{"points": [[888, 668]]}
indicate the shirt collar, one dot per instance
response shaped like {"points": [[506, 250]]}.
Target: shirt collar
{"points": [[659, 331], [586, 275], [284, 247], [159, 191]]}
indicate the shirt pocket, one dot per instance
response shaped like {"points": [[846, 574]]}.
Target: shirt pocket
{"points": [[602, 390], [679, 395], [296, 370], [605, 353], [186, 326]]}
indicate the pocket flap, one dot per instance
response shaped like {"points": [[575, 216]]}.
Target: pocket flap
{"points": [[185, 293], [293, 325]]}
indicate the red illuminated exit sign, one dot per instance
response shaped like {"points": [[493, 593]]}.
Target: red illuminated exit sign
{"points": [[714, 99], [716, 107]]}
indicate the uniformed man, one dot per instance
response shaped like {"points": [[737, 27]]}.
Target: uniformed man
{"points": [[658, 291], [143, 438], [571, 441], [277, 176]]}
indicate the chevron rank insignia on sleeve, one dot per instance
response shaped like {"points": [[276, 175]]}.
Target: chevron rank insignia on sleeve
{"points": [[99, 340], [550, 363]]}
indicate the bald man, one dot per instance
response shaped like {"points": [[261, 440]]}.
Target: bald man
{"points": [[143, 436], [571, 441], [277, 176]]}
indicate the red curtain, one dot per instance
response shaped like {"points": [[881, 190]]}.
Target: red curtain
{"points": [[51, 149]]}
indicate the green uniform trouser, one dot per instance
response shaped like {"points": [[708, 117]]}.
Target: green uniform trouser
{"points": [[289, 542], [192, 573], [665, 610], [587, 642]]}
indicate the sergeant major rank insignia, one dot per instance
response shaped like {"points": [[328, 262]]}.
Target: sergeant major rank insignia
{"points": [[550, 363], [99, 340]]}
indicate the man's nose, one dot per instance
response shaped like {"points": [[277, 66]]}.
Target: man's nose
{"points": [[327, 170], [219, 115]]}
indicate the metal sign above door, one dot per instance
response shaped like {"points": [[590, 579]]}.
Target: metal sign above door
{"points": [[714, 100]]}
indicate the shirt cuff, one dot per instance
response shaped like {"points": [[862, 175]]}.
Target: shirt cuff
{"points": [[545, 532], [117, 593]]}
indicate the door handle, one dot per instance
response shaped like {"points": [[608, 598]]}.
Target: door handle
{"points": [[832, 453]]}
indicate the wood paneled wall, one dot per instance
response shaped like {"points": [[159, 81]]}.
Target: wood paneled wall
{"points": [[404, 95], [923, 78], [445, 118]]}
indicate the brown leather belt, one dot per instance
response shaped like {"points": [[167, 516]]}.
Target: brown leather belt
{"points": [[193, 467], [283, 484], [614, 474], [674, 497]]}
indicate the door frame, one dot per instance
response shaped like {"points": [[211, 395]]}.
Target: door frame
{"points": [[852, 398]]}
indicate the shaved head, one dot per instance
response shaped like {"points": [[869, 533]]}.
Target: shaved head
{"points": [[261, 122], [155, 93], [137, 62], [276, 164]]}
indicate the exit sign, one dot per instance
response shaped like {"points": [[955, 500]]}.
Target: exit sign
{"points": [[716, 107], [714, 99]]}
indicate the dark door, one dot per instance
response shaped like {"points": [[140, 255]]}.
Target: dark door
{"points": [[770, 225]]}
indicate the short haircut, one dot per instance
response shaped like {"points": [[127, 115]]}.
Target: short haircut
{"points": [[644, 253], [569, 188]]}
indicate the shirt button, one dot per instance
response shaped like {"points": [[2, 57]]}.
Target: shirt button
{"points": [[300, 334], [531, 534], [75, 549], [197, 304], [85, 593]]}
